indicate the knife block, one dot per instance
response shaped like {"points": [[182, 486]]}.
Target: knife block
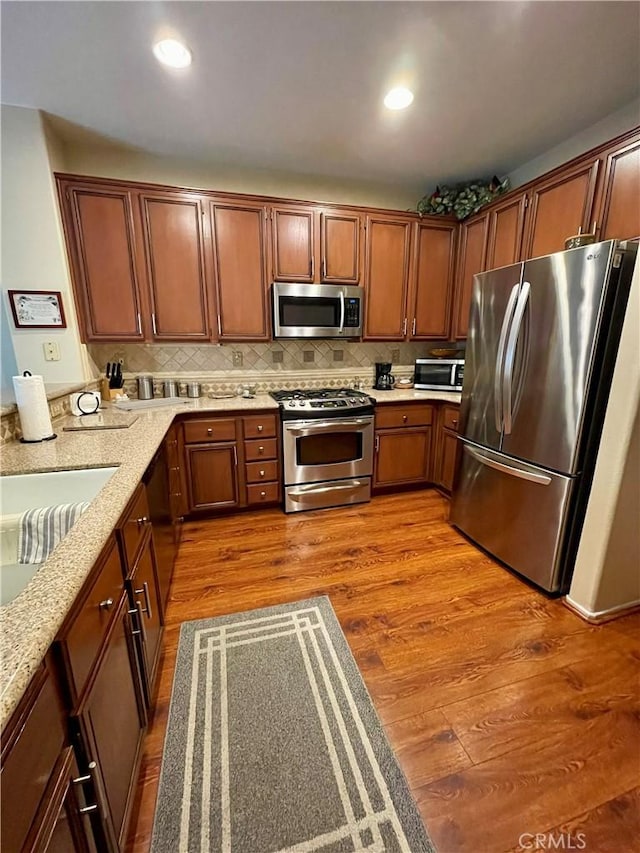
{"points": [[107, 393]]}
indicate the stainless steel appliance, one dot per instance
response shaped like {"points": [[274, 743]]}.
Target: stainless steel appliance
{"points": [[317, 311], [439, 374], [327, 447], [543, 337]]}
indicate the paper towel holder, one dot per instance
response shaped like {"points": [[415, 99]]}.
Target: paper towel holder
{"points": [[36, 440]]}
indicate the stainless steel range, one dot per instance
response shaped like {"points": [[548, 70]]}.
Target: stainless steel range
{"points": [[327, 445]]}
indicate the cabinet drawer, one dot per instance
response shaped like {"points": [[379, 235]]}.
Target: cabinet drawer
{"points": [[450, 417], [392, 417], [262, 493], [133, 525], [84, 638], [211, 429], [32, 741], [257, 426], [257, 449], [261, 472]]}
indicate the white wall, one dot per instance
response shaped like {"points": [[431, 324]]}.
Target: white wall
{"points": [[609, 127], [33, 256], [124, 163], [607, 571]]}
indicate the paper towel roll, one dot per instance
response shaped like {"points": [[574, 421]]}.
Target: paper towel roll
{"points": [[33, 407]]}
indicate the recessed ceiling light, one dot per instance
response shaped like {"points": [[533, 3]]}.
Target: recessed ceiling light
{"points": [[173, 53], [398, 98]]}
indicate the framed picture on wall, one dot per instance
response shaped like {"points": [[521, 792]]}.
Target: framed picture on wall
{"points": [[37, 309]]}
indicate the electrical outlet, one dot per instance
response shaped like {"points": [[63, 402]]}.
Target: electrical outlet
{"points": [[395, 356], [51, 351], [237, 358]]}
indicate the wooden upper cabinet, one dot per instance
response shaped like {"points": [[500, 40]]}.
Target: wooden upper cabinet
{"points": [[99, 228], [386, 278], [506, 226], [240, 271], [174, 248], [620, 206], [559, 206], [432, 286], [293, 244], [340, 247], [471, 260]]}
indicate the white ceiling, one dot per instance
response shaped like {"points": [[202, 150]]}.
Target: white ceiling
{"points": [[299, 85]]}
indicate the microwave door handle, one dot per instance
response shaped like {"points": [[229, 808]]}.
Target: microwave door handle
{"points": [[341, 311], [452, 377]]}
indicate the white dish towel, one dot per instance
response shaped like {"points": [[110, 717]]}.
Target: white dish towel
{"points": [[41, 530]]}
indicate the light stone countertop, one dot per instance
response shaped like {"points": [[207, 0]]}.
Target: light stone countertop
{"points": [[410, 395], [31, 621]]}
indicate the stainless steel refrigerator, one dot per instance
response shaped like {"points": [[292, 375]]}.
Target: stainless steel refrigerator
{"points": [[543, 337]]}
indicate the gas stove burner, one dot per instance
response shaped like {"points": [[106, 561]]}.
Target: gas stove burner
{"points": [[322, 402]]}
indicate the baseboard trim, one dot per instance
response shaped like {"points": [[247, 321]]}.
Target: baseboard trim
{"points": [[600, 616]]}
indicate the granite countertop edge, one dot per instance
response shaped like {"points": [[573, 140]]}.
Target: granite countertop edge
{"points": [[29, 623]]}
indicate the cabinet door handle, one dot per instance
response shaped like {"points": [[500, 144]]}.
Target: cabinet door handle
{"points": [[413, 328], [324, 268], [259, 427], [261, 450], [311, 268], [86, 809], [139, 324], [261, 473], [454, 423], [153, 323], [80, 780], [377, 444], [219, 327], [134, 612], [209, 431], [144, 590], [404, 419], [404, 328], [235, 456], [263, 494], [142, 520], [107, 604]]}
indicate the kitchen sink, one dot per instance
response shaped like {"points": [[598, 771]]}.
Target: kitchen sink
{"points": [[20, 492]]}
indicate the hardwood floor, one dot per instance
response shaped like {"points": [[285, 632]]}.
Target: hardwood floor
{"points": [[508, 713]]}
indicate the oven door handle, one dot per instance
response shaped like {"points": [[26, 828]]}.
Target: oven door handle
{"points": [[328, 426]]}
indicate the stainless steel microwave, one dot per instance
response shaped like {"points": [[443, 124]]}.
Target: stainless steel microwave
{"points": [[317, 311], [439, 374]]}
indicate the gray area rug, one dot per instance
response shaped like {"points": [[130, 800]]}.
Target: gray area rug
{"points": [[273, 743]]}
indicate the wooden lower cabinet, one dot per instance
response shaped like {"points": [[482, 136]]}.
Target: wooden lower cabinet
{"points": [[213, 475], [402, 455], [109, 724], [232, 463], [144, 598], [448, 460], [32, 740], [63, 823], [447, 447]]}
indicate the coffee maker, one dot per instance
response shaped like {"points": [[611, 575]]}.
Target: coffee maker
{"points": [[384, 378]]}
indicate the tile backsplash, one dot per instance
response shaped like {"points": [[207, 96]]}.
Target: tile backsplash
{"points": [[286, 356]]}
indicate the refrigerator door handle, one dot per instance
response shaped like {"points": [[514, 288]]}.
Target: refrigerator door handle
{"points": [[522, 474], [510, 357], [497, 388]]}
